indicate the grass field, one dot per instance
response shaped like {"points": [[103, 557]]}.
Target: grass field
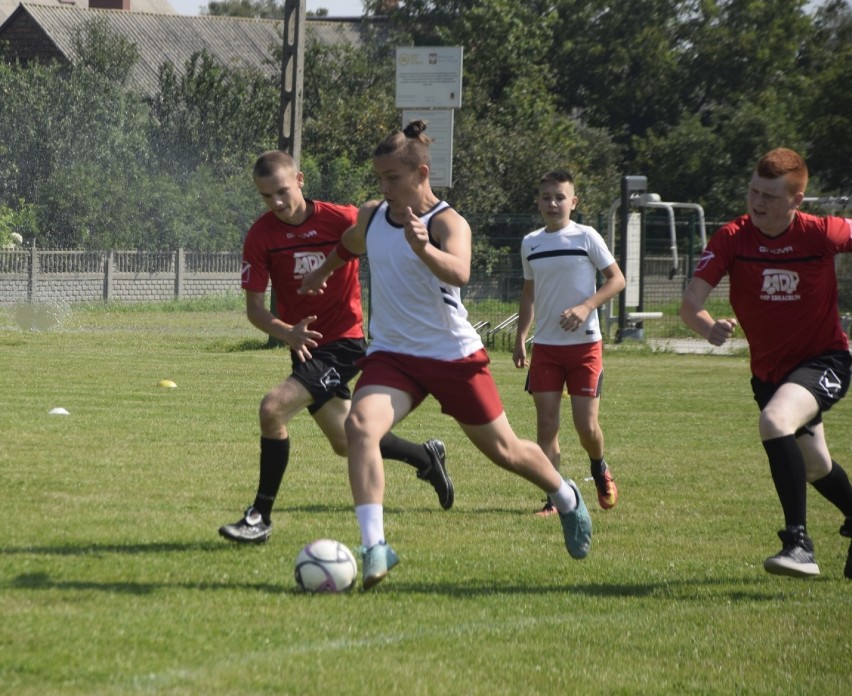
{"points": [[113, 579]]}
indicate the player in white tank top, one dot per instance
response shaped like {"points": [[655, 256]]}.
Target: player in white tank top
{"points": [[412, 311], [419, 267]]}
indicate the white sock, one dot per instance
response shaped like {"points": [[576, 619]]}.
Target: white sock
{"points": [[564, 500], [372, 523]]}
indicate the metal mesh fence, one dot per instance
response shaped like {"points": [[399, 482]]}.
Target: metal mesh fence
{"points": [[664, 268], [665, 259]]}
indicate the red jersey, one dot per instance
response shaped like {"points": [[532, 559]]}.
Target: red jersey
{"points": [[282, 253], [783, 289]]}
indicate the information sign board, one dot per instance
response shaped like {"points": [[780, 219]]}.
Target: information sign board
{"points": [[440, 129], [428, 77]]}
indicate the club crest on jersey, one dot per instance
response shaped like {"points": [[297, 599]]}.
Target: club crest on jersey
{"points": [[779, 285], [245, 274], [306, 261]]}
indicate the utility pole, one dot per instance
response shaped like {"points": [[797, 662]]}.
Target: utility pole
{"points": [[292, 78], [292, 88]]}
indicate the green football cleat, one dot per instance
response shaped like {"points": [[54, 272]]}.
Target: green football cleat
{"points": [[577, 527], [376, 562]]}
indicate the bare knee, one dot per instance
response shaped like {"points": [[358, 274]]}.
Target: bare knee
{"points": [[588, 432], [772, 423], [355, 427], [547, 426], [591, 440], [814, 471], [271, 413]]}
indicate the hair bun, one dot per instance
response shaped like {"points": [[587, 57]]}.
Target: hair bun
{"points": [[414, 129]]}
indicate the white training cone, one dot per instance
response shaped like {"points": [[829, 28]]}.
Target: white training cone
{"points": [[58, 411]]}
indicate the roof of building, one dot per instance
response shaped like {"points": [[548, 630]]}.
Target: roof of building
{"points": [[163, 7], [236, 42]]}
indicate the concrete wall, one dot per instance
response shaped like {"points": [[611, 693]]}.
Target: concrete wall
{"points": [[50, 276]]}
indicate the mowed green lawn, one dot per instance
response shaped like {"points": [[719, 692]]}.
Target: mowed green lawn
{"points": [[113, 579]]}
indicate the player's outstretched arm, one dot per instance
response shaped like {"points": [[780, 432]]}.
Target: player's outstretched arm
{"points": [[299, 337], [352, 244], [697, 318]]}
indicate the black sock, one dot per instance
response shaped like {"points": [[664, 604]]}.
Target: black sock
{"points": [[274, 456], [787, 467], [836, 489], [597, 467], [412, 453]]}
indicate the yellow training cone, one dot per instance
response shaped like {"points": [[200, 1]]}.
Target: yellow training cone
{"points": [[167, 384]]}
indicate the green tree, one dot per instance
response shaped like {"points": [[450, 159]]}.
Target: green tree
{"points": [[665, 76], [106, 53], [827, 65], [708, 159], [211, 115], [203, 210], [51, 119], [509, 130], [739, 49], [77, 167], [688, 92], [739, 96], [620, 65], [17, 224], [258, 9], [348, 105]]}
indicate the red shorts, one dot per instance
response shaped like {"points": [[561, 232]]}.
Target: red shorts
{"points": [[578, 367], [464, 388]]}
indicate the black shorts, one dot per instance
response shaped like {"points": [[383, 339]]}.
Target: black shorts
{"points": [[826, 376], [327, 374]]}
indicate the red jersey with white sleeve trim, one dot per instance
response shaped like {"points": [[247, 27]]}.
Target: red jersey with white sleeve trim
{"points": [[783, 289], [282, 253]]}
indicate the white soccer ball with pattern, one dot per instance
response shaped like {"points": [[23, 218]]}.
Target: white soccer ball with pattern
{"points": [[325, 565]]}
